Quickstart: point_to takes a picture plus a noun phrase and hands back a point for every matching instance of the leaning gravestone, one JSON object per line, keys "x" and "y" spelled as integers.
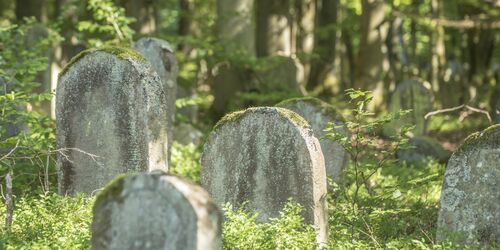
{"x": 410, "y": 94}
{"x": 421, "y": 148}
{"x": 161, "y": 56}
{"x": 155, "y": 211}
{"x": 318, "y": 114}
{"x": 470, "y": 199}
{"x": 265, "y": 156}
{"x": 111, "y": 104}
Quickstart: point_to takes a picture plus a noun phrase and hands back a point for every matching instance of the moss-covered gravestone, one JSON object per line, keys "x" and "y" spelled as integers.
{"x": 265, "y": 156}
{"x": 155, "y": 211}
{"x": 422, "y": 147}
{"x": 161, "y": 56}
{"x": 470, "y": 197}
{"x": 110, "y": 104}
{"x": 410, "y": 94}
{"x": 318, "y": 114}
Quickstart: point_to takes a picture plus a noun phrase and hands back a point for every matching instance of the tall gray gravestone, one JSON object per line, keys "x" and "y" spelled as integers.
{"x": 161, "y": 56}
{"x": 470, "y": 197}
{"x": 265, "y": 156}
{"x": 155, "y": 211}
{"x": 410, "y": 94}
{"x": 318, "y": 114}
{"x": 111, "y": 104}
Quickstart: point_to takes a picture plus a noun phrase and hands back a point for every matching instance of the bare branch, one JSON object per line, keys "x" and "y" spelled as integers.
{"x": 471, "y": 109}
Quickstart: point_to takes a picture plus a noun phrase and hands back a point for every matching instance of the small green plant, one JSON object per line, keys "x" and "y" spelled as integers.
{"x": 185, "y": 161}
{"x": 242, "y": 231}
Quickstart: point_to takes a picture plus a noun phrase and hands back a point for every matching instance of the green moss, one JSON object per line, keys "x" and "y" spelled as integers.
{"x": 123, "y": 53}
{"x": 490, "y": 135}
{"x": 296, "y": 118}
{"x": 113, "y": 189}
{"x": 231, "y": 117}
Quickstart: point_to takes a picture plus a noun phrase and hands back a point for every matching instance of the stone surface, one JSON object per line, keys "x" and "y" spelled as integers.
{"x": 470, "y": 198}
{"x": 264, "y": 156}
{"x": 410, "y": 94}
{"x": 186, "y": 133}
{"x": 318, "y": 114}
{"x": 155, "y": 211}
{"x": 161, "y": 56}
{"x": 9, "y": 127}
{"x": 110, "y": 103}
{"x": 423, "y": 147}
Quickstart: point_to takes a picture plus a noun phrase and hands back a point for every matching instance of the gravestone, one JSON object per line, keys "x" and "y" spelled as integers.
{"x": 155, "y": 211}
{"x": 161, "y": 56}
{"x": 186, "y": 134}
{"x": 410, "y": 94}
{"x": 470, "y": 198}
{"x": 280, "y": 71}
{"x": 10, "y": 125}
{"x": 318, "y": 114}
{"x": 422, "y": 147}
{"x": 265, "y": 156}
{"x": 110, "y": 104}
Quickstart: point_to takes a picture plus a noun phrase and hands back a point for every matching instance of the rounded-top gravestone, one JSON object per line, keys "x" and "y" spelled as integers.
{"x": 111, "y": 119}
{"x": 155, "y": 211}
{"x": 470, "y": 197}
{"x": 410, "y": 94}
{"x": 161, "y": 56}
{"x": 318, "y": 114}
{"x": 264, "y": 156}
{"x": 421, "y": 148}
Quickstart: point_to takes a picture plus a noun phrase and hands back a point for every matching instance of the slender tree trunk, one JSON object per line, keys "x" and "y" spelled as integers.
{"x": 371, "y": 63}
{"x": 438, "y": 53}
{"x": 274, "y": 28}
{"x": 186, "y": 25}
{"x": 325, "y": 41}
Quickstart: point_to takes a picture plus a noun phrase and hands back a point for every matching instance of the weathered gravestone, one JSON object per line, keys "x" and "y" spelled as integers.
{"x": 155, "y": 211}
{"x": 410, "y": 94}
{"x": 10, "y": 125}
{"x": 161, "y": 56}
{"x": 318, "y": 114}
{"x": 186, "y": 134}
{"x": 422, "y": 147}
{"x": 110, "y": 103}
{"x": 470, "y": 197}
{"x": 265, "y": 156}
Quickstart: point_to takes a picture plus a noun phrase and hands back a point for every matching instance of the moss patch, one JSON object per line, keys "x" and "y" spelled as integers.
{"x": 123, "y": 53}
{"x": 490, "y": 135}
{"x": 113, "y": 189}
{"x": 297, "y": 119}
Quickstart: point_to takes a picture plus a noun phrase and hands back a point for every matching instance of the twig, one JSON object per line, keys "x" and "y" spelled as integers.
{"x": 11, "y": 151}
{"x": 440, "y": 111}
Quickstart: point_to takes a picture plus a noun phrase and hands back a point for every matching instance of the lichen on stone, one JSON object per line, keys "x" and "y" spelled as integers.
{"x": 121, "y": 52}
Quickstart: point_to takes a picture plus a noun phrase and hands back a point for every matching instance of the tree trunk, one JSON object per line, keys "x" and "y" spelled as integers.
{"x": 305, "y": 22}
{"x": 145, "y": 14}
{"x": 438, "y": 53}
{"x": 28, "y": 8}
{"x": 235, "y": 31}
{"x": 371, "y": 63}
{"x": 186, "y": 25}
{"x": 274, "y": 28}
{"x": 324, "y": 44}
